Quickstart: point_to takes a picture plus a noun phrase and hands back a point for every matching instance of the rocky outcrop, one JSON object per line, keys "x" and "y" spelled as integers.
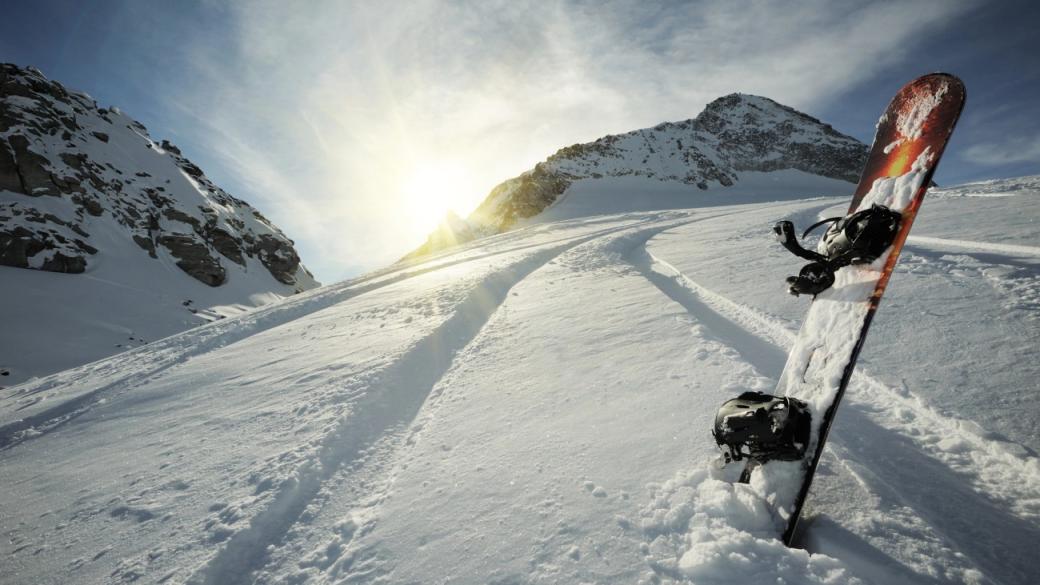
{"x": 9, "y": 178}
{"x": 279, "y": 258}
{"x": 65, "y": 172}
{"x": 30, "y": 169}
{"x": 526, "y": 195}
{"x": 757, "y": 134}
{"x": 33, "y": 239}
{"x": 194, "y": 257}
{"x": 231, "y": 248}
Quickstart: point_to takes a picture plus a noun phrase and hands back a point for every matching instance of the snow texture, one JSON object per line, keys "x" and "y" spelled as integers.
{"x": 535, "y": 407}
{"x": 910, "y": 122}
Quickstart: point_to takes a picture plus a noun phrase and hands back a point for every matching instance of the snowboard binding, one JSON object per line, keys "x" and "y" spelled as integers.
{"x": 760, "y": 427}
{"x": 859, "y": 238}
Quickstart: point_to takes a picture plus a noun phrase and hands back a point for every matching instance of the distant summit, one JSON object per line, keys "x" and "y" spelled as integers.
{"x": 735, "y": 134}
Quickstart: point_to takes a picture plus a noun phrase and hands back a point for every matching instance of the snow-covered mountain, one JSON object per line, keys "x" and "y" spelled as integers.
{"x": 109, "y": 238}
{"x": 534, "y": 407}
{"x": 736, "y": 137}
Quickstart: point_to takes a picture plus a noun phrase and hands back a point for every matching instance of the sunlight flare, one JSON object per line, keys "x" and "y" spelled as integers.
{"x": 433, "y": 189}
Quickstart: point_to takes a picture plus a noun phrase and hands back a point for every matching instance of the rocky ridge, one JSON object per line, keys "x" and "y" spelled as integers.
{"x": 73, "y": 174}
{"x": 734, "y": 134}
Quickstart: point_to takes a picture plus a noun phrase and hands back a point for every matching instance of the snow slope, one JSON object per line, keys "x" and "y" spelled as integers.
{"x": 110, "y": 239}
{"x": 534, "y": 407}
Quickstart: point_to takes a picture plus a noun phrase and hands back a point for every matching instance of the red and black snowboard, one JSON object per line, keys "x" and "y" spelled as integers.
{"x": 782, "y": 437}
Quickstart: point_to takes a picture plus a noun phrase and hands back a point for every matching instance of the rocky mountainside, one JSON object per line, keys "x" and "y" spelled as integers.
{"x": 734, "y": 135}
{"x": 110, "y": 239}
{"x": 69, "y": 169}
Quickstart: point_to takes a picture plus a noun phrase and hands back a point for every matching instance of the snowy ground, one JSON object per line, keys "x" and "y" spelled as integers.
{"x": 534, "y": 408}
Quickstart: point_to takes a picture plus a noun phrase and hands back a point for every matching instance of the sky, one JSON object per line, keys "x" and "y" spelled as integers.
{"x": 354, "y": 126}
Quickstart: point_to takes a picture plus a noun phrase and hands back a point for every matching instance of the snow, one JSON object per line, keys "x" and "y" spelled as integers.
{"x": 612, "y": 195}
{"x": 710, "y": 530}
{"x": 910, "y": 121}
{"x": 896, "y": 193}
{"x": 124, "y": 298}
{"x": 535, "y": 407}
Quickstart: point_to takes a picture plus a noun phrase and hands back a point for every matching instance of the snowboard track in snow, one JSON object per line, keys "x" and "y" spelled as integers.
{"x": 1005, "y": 249}
{"x": 894, "y": 446}
{"x": 128, "y": 370}
{"x": 397, "y": 398}
{"x": 1002, "y": 495}
{"x": 362, "y": 486}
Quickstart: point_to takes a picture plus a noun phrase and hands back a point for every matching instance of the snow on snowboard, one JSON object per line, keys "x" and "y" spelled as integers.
{"x": 779, "y": 439}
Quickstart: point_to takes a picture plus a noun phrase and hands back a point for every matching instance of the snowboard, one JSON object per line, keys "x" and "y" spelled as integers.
{"x": 911, "y": 136}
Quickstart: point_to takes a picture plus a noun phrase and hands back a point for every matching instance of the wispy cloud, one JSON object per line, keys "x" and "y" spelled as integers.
{"x": 1013, "y": 150}
{"x": 324, "y": 108}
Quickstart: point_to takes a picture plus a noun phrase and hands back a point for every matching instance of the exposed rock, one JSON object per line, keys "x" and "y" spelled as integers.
{"x": 32, "y": 169}
{"x": 74, "y": 160}
{"x": 9, "y": 179}
{"x": 528, "y": 195}
{"x": 85, "y": 247}
{"x": 40, "y": 233}
{"x": 175, "y": 214}
{"x": 146, "y": 244}
{"x": 43, "y": 129}
{"x": 89, "y": 204}
{"x": 61, "y": 263}
{"x": 191, "y": 169}
{"x": 18, "y": 245}
{"x": 279, "y": 258}
{"x": 227, "y": 245}
{"x": 170, "y": 148}
{"x": 194, "y": 258}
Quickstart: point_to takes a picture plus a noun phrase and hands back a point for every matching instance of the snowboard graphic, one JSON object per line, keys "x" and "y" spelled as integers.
{"x": 783, "y": 436}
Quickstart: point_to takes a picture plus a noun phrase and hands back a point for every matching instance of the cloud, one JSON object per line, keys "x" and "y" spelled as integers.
{"x": 1013, "y": 150}
{"x": 322, "y": 109}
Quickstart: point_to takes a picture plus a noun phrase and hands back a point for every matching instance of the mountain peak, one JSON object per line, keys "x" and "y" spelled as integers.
{"x": 74, "y": 174}
{"x": 734, "y": 134}
{"x": 85, "y": 189}
{"x": 742, "y": 109}
{"x": 737, "y": 99}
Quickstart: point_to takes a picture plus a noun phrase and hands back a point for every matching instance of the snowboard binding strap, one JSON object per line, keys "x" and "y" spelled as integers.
{"x": 859, "y": 238}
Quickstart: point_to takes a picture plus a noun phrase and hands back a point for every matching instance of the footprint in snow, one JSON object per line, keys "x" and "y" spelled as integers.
{"x": 595, "y": 490}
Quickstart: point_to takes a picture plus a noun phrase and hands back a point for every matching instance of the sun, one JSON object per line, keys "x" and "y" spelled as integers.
{"x": 433, "y": 189}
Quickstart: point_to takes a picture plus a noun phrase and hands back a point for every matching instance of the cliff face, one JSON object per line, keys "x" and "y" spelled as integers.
{"x": 734, "y": 134}
{"x": 77, "y": 179}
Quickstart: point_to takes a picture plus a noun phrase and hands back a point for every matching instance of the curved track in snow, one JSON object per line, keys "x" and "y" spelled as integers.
{"x": 38, "y": 409}
{"x": 1008, "y": 249}
{"x": 897, "y": 449}
{"x": 354, "y": 466}
{"x": 399, "y": 392}
{"x": 526, "y": 409}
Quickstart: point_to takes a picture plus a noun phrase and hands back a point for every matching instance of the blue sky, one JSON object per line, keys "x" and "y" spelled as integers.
{"x": 331, "y": 116}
